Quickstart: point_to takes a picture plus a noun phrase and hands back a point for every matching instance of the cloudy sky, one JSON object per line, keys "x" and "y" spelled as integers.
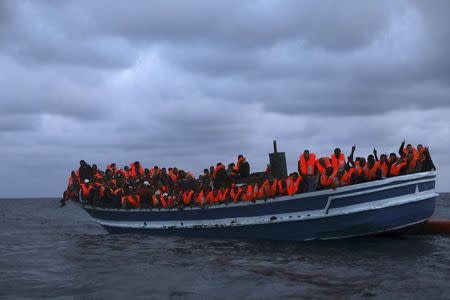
{"x": 191, "y": 83}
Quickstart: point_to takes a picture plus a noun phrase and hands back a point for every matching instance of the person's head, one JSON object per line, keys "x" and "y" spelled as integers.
{"x": 329, "y": 171}
{"x": 126, "y": 168}
{"x": 146, "y": 171}
{"x": 322, "y": 162}
{"x": 306, "y": 154}
{"x": 420, "y": 147}
{"x": 409, "y": 156}
{"x": 211, "y": 169}
{"x": 337, "y": 152}
{"x": 73, "y": 174}
{"x": 422, "y": 156}
{"x": 113, "y": 166}
{"x": 240, "y": 156}
{"x": 109, "y": 172}
{"x": 392, "y": 157}
{"x": 136, "y": 164}
{"x": 383, "y": 158}
{"x": 83, "y": 163}
{"x": 362, "y": 162}
{"x": 94, "y": 168}
{"x": 206, "y": 171}
{"x": 409, "y": 147}
{"x": 371, "y": 159}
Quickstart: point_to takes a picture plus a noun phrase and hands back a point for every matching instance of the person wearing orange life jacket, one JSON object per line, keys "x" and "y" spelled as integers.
{"x": 211, "y": 197}
{"x": 273, "y": 188}
{"x": 321, "y": 164}
{"x": 307, "y": 170}
{"x": 293, "y": 184}
{"x": 242, "y": 167}
{"x": 220, "y": 176}
{"x": 340, "y": 178}
{"x": 87, "y": 191}
{"x": 73, "y": 187}
{"x": 223, "y": 195}
{"x": 382, "y": 164}
{"x": 131, "y": 201}
{"x": 264, "y": 190}
{"x": 136, "y": 170}
{"x": 371, "y": 169}
{"x": 398, "y": 167}
{"x": 414, "y": 164}
{"x": 409, "y": 148}
{"x": 281, "y": 187}
{"x": 326, "y": 178}
{"x": 247, "y": 193}
{"x": 188, "y": 198}
{"x": 337, "y": 159}
{"x": 200, "y": 198}
{"x": 235, "y": 193}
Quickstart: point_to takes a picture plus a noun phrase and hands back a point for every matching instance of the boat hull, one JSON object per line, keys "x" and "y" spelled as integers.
{"x": 365, "y": 209}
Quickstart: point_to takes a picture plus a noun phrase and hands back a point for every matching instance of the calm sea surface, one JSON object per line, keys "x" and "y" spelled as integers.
{"x": 52, "y": 252}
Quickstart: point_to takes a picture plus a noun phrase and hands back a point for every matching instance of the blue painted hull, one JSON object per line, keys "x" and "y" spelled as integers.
{"x": 365, "y": 209}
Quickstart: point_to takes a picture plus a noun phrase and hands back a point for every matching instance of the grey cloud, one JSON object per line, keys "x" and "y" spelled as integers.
{"x": 189, "y": 84}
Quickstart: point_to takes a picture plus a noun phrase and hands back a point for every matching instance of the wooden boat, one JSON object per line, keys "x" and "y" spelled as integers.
{"x": 370, "y": 208}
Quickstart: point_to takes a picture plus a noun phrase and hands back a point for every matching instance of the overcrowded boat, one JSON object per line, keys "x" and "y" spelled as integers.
{"x": 358, "y": 198}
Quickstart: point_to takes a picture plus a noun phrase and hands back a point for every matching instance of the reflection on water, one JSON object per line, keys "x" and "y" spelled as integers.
{"x": 51, "y": 252}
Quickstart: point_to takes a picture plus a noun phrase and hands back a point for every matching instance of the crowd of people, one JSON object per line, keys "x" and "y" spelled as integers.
{"x": 137, "y": 187}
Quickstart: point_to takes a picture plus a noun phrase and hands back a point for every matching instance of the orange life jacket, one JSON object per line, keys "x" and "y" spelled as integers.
{"x": 326, "y": 181}
{"x": 187, "y": 197}
{"x": 236, "y": 167}
{"x": 134, "y": 200}
{"x": 343, "y": 181}
{"x": 358, "y": 169}
{"x": 118, "y": 191}
{"x": 338, "y": 163}
{"x": 281, "y": 187}
{"x": 173, "y": 176}
{"x": 264, "y": 190}
{"x": 248, "y": 195}
{"x": 222, "y": 195}
{"x": 164, "y": 202}
{"x": 371, "y": 174}
{"x": 273, "y": 188}
{"x": 293, "y": 185}
{"x": 138, "y": 172}
{"x": 321, "y": 168}
{"x": 235, "y": 195}
{"x": 200, "y": 199}
{"x": 307, "y": 167}
{"x": 396, "y": 168}
{"x": 412, "y": 164}
{"x": 414, "y": 151}
{"x": 384, "y": 169}
{"x": 86, "y": 189}
{"x": 125, "y": 174}
{"x": 211, "y": 198}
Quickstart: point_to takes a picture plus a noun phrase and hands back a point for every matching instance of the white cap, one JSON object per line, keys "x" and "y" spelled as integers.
{"x": 86, "y": 181}
{"x": 157, "y": 193}
{"x": 146, "y": 183}
{"x": 165, "y": 194}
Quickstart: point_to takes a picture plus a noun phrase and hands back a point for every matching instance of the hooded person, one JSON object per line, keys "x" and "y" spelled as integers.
{"x": 85, "y": 171}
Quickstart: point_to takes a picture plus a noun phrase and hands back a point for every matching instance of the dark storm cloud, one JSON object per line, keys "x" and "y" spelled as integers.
{"x": 193, "y": 83}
